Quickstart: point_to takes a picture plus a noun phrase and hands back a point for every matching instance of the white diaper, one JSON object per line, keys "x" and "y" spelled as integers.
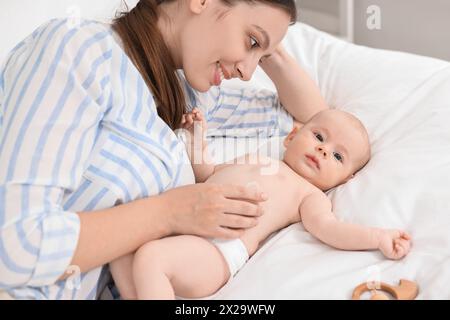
{"x": 234, "y": 252}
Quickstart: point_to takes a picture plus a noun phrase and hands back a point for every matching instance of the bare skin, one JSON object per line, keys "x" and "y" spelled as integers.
{"x": 191, "y": 266}
{"x": 321, "y": 154}
{"x": 238, "y": 45}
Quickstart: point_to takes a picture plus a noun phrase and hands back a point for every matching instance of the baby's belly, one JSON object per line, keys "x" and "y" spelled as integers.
{"x": 280, "y": 210}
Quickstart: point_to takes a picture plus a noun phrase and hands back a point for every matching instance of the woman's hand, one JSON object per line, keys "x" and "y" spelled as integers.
{"x": 275, "y": 59}
{"x": 213, "y": 210}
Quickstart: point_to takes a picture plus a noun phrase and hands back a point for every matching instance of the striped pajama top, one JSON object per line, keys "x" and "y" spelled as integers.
{"x": 79, "y": 131}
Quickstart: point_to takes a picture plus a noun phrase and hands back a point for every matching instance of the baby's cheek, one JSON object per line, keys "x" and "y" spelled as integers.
{"x": 327, "y": 177}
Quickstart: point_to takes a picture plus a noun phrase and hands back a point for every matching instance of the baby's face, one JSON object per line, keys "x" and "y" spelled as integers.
{"x": 329, "y": 149}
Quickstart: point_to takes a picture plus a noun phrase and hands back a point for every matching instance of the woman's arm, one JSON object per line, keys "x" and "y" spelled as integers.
{"x": 255, "y": 112}
{"x": 50, "y": 129}
{"x": 54, "y": 105}
{"x": 111, "y": 233}
{"x": 298, "y": 93}
{"x": 207, "y": 210}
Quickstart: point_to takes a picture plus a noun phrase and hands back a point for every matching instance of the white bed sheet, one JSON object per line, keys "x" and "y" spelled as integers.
{"x": 404, "y": 101}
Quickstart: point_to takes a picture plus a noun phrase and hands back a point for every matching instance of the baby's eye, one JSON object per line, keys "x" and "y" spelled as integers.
{"x": 337, "y": 156}
{"x": 254, "y": 43}
{"x": 319, "y": 137}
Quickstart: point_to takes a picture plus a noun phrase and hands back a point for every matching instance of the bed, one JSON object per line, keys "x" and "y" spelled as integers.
{"x": 404, "y": 101}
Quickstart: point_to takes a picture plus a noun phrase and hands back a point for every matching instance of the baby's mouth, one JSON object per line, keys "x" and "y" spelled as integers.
{"x": 313, "y": 160}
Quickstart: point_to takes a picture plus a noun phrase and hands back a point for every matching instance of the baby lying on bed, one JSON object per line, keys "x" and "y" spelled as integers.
{"x": 321, "y": 154}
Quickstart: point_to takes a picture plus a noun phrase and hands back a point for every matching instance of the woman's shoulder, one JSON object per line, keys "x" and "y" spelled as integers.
{"x": 75, "y": 31}
{"x": 61, "y": 43}
{"x": 67, "y": 38}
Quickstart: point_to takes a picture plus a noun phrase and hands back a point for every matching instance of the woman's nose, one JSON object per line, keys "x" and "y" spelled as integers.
{"x": 246, "y": 69}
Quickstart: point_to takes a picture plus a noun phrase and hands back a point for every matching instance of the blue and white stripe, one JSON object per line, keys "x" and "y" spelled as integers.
{"x": 242, "y": 113}
{"x": 79, "y": 131}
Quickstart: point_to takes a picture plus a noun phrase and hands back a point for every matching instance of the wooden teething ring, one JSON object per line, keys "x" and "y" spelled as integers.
{"x": 406, "y": 290}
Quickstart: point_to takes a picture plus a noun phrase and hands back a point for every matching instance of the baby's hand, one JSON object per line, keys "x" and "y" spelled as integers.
{"x": 394, "y": 244}
{"x": 191, "y": 119}
{"x": 195, "y": 124}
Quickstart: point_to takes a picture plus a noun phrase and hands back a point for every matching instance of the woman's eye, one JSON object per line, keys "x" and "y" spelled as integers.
{"x": 253, "y": 42}
{"x": 319, "y": 137}
{"x": 337, "y": 156}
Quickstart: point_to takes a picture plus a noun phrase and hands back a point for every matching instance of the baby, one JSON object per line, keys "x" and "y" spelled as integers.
{"x": 321, "y": 154}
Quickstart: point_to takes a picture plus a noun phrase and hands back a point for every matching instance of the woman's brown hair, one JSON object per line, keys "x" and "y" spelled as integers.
{"x": 144, "y": 44}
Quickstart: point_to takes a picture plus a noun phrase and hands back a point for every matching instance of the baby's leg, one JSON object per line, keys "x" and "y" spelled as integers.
{"x": 186, "y": 266}
{"x": 122, "y": 273}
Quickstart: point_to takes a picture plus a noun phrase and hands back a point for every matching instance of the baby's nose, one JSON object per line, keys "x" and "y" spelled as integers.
{"x": 322, "y": 151}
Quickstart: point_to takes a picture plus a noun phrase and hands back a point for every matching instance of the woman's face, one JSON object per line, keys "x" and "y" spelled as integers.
{"x": 230, "y": 40}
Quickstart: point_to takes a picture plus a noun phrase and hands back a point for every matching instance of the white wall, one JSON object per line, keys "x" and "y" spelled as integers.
{"x": 326, "y": 6}
{"x": 18, "y": 18}
{"x": 417, "y": 26}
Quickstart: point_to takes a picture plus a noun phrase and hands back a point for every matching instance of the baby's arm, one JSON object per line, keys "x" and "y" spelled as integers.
{"x": 319, "y": 220}
{"x": 298, "y": 93}
{"x": 195, "y": 125}
{"x": 197, "y": 147}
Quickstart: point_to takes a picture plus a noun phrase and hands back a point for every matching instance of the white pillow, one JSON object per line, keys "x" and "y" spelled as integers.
{"x": 404, "y": 101}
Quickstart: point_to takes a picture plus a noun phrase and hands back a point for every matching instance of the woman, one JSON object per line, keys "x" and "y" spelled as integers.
{"x": 90, "y": 168}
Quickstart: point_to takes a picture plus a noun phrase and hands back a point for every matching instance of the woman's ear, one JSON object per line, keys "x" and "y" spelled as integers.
{"x": 290, "y": 136}
{"x": 197, "y": 6}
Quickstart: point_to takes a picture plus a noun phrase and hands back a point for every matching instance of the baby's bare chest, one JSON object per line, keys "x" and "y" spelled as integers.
{"x": 284, "y": 187}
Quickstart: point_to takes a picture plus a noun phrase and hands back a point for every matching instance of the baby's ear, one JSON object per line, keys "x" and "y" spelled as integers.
{"x": 290, "y": 136}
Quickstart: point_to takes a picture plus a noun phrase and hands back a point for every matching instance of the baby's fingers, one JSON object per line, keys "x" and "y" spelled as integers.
{"x": 188, "y": 117}
{"x": 399, "y": 251}
{"x": 405, "y": 244}
{"x": 198, "y": 116}
{"x": 401, "y": 248}
{"x": 405, "y": 235}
